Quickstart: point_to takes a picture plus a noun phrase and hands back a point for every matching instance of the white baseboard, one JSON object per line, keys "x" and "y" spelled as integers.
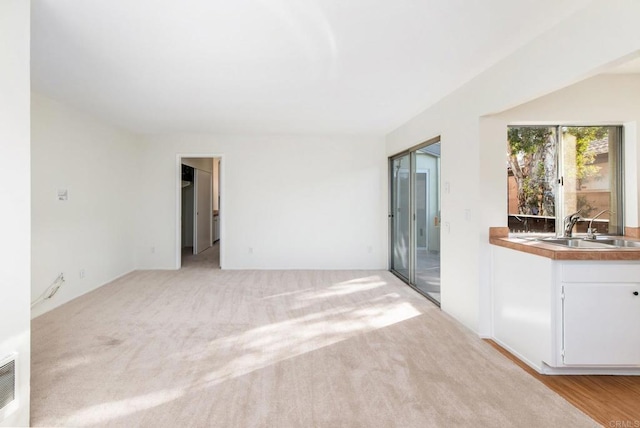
{"x": 536, "y": 367}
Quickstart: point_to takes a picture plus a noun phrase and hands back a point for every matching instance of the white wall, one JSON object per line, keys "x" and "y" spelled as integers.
{"x": 298, "y": 202}
{"x": 473, "y": 161}
{"x": 94, "y": 229}
{"x": 15, "y": 173}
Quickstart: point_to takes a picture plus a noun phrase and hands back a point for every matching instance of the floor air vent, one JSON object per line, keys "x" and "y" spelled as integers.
{"x": 7, "y": 381}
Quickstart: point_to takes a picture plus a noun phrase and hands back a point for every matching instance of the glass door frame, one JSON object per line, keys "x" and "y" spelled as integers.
{"x": 412, "y": 153}
{"x": 393, "y": 215}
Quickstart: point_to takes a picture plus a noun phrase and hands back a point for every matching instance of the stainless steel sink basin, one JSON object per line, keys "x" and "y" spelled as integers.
{"x": 620, "y": 243}
{"x": 578, "y": 243}
{"x": 599, "y": 243}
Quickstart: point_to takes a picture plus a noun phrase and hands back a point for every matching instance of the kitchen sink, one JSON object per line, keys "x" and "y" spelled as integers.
{"x": 578, "y": 243}
{"x": 598, "y": 243}
{"x": 620, "y": 243}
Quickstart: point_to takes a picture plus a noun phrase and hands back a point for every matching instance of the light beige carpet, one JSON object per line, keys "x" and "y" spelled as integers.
{"x": 202, "y": 347}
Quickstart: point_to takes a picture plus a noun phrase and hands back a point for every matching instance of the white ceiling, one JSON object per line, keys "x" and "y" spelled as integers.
{"x": 272, "y": 66}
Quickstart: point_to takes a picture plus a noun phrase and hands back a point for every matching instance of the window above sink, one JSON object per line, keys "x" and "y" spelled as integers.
{"x": 554, "y": 171}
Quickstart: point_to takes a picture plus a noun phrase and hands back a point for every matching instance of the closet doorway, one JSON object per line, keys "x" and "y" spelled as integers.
{"x": 415, "y": 217}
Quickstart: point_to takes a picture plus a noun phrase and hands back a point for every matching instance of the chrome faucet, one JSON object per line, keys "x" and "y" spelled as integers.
{"x": 591, "y": 233}
{"x": 569, "y": 222}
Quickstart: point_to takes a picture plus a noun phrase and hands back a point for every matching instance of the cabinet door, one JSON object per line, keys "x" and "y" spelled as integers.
{"x": 601, "y": 324}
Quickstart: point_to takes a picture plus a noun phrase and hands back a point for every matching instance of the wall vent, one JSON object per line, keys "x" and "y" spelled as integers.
{"x": 7, "y": 381}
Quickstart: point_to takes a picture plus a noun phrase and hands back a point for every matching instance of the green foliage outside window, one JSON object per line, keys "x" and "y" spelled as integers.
{"x": 530, "y": 150}
{"x": 532, "y": 157}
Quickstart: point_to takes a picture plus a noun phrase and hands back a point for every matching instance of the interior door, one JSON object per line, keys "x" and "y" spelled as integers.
{"x": 202, "y": 211}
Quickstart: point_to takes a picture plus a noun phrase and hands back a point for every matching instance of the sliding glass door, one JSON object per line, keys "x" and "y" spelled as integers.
{"x": 415, "y": 218}
{"x": 427, "y": 221}
{"x": 401, "y": 216}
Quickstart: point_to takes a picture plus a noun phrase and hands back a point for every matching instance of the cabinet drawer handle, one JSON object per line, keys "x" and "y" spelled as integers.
{"x": 635, "y": 293}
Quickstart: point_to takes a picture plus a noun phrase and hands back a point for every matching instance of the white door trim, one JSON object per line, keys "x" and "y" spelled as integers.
{"x": 178, "y": 214}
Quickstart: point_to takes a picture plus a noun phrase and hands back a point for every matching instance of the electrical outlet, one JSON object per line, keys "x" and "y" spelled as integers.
{"x": 153, "y": 250}
{"x": 81, "y": 274}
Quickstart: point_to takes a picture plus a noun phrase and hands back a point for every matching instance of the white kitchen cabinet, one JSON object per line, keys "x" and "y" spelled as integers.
{"x": 521, "y": 300}
{"x": 567, "y": 317}
{"x": 601, "y": 324}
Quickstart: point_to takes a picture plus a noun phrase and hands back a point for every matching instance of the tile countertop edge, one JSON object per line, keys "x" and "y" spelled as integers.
{"x": 555, "y": 252}
{"x": 531, "y": 247}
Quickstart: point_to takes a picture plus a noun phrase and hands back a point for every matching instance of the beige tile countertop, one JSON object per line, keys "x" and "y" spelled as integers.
{"x": 500, "y": 236}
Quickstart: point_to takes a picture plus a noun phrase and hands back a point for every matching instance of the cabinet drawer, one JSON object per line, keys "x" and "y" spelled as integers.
{"x": 600, "y": 272}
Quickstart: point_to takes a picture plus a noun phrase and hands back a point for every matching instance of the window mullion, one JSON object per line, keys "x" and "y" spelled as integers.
{"x": 559, "y": 194}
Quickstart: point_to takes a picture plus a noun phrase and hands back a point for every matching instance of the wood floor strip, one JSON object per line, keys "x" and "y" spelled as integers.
{"x": 613, "y": 401}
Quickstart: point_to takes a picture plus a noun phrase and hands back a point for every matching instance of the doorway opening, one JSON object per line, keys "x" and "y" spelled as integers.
{"x": 415, "y": 218}
{"x": 199, "y": 212}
